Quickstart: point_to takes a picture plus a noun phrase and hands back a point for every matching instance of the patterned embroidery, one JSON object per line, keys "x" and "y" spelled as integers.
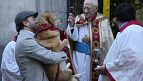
{"x": 96, "y": 36}
{"x": 96, "y": 44}
{"x": 95, "y": 30}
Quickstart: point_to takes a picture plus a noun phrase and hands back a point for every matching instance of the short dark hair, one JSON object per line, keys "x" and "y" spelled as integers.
{"x": 20, "y": 26}
{"x": 124, "y": 12}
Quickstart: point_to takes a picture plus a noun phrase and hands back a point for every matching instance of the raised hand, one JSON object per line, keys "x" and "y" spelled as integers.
{"x": 86, "y": 39}
{"x": 71, "y": 20}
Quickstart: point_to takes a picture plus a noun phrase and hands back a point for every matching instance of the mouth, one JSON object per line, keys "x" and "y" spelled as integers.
{"x": 87, "y": 14}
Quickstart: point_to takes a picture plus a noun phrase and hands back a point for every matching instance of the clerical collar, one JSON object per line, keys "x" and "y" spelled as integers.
{"x": 130, "y": 23}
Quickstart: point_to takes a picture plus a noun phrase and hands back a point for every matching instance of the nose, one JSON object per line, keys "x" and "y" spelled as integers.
{"x": 85, "y": 10}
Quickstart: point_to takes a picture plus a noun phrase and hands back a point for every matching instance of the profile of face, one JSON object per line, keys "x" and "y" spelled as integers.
{"x": 30, "y": 23}
{"x": 89, "y": 10}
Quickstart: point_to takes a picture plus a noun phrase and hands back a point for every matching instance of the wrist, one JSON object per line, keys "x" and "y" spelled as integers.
{"x": 103, "y": 70}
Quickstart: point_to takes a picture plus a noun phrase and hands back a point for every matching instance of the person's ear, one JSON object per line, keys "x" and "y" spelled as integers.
{"x": 25, "y": 23}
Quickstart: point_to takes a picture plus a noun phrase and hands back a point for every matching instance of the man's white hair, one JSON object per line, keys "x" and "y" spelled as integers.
{"x": 94, "y": 2}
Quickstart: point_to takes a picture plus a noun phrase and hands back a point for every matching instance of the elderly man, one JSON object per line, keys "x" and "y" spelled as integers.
{"x": 29, "y": 54}
{"x": 124, "y": 60}
{"x": 89, "y": 30}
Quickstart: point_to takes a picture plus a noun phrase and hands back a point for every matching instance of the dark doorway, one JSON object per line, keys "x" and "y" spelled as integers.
{"x": 75, "y": 6}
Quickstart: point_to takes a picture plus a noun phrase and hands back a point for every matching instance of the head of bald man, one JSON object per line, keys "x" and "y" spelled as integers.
{"x": 90, "y": 7}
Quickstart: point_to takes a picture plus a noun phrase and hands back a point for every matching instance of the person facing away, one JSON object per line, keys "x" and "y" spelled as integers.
{"x": 79, "y": 31}
{"x": 29, "y": 54}
{"x": 124, "y": 60}
{"x": 9, "y": 68}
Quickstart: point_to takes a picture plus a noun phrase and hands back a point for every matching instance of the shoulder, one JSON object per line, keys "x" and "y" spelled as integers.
{"x": 25, "y": 38}
{"x": 101, "y": 17}
{"x": 11, "y": 44}
{"x": 25, "y": 35}
{"x": 134, "y": 28}
{"x": 9, "y": 49}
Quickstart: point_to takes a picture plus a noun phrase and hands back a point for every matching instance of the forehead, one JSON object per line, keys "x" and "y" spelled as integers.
{"x": 89, "y": 5}
{"x": 30, "y": 17}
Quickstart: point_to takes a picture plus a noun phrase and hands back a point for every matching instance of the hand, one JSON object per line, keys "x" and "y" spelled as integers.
{"x": 86, "y": 39}
{"x": 68, "y": 65}
{"x": 71, "y": 20}
{"x": 78, "y": 75}
{"x": 101, "y": 69}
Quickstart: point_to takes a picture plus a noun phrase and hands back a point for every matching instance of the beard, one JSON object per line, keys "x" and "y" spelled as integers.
{"x": 33, "y": 27}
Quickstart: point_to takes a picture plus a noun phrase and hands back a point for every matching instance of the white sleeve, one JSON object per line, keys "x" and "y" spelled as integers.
{"x": 68, "y": 31}
{"x": 73, "y": 35}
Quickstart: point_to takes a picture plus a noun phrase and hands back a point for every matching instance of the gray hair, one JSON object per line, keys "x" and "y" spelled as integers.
{"x": 94, "y": 2}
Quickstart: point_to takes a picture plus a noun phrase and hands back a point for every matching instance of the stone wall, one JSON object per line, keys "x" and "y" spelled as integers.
{"x": 9, "y": 9}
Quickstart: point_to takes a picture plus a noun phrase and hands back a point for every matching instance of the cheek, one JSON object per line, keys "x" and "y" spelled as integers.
{"x": 34, "y": 23}
{"x": 92, "y": 12}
